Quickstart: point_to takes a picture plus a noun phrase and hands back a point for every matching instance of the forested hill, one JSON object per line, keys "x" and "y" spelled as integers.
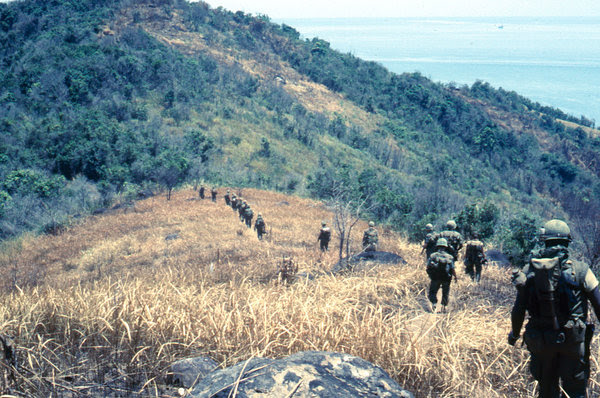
{"x": 103, "y": 99}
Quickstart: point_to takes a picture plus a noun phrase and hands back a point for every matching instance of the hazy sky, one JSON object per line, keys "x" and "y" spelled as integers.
{"x": 411, "y": 8}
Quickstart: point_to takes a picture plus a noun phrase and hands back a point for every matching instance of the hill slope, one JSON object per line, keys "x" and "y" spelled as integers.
{"x": 116, "y": 303}
{"x": 100, "y": 100}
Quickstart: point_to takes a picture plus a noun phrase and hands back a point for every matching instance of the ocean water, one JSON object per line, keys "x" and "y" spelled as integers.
{"x": 554, "y": 61}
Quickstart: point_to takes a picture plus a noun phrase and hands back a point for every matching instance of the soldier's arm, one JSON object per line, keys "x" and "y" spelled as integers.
{"x": 517, "y": 315}
{"x": 592, "y": 291}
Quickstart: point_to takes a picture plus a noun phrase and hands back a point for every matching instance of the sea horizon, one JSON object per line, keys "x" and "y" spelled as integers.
{"x": 551, "y": 60}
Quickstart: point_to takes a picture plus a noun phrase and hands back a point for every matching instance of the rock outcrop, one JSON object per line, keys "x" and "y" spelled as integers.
{"x": 304, "y": 374}
{"x": 366, "y": 260}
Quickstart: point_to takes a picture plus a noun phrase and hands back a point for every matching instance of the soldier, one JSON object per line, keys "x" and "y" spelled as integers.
{"x": 241, "y": 209}
{"x": 440, "y": 268}
{"x": 234, "y": 202}
{"x": 287, "y": 270}
{"x": 201, "y": 192}
{"x": 555, "y": 290}
{"x": 213, "y": 194}
{"x": 453, "y": 238}
{"x": 248, "y": 214}
{"x": 370, "y": 238}
{"x": 227, "y": 198}
{"x": 324, "y": 237}
{"x": 429, "y": 241}
{"x": 260, "y": 226}
{"x": 474, "y": 258}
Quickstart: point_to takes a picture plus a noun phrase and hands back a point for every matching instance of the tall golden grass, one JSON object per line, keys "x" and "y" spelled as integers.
{"x": 104, "y": 308}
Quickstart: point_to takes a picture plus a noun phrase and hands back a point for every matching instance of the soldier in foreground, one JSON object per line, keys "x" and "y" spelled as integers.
{"x": 370, "y": 238}
{"x": 440, "y": 269}
{"x": 259, "y": 226}
{"x": 453, "y": 238}
{"x": 555, "y": 291}
{"x": 227, "y": 198}
{"x": 474, "y": 258}
{"x": 201, "y": 192}
{"x": 429, "y": 241}
{"x": 324, "y": 237}
{"x": 213, "y": 194}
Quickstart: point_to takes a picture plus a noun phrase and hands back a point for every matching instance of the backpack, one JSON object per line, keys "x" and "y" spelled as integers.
{"x": 559, "y": 304}
{"x": 474, "y": 252}
{"x": 439, "y": 265}
{"x": 325, "y": 234}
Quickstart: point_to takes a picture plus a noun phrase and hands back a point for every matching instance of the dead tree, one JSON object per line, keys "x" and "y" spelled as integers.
{"x": 347, "y": 212}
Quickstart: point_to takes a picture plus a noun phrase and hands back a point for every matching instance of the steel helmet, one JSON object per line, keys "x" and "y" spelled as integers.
{"x": 371, "y": 224}
{"x": 323, "y": 223}
{"x": 429, "y": 227}
{"x": 441, "y": 242}
{"x": 451, "y": 224}
{"x": 556, "y": 230}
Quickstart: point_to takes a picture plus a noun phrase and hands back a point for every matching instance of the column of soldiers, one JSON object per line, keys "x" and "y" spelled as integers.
{"x": 245, "y": 212}
{"x": 448, "y": 244}
{"x": 552, "y": 288}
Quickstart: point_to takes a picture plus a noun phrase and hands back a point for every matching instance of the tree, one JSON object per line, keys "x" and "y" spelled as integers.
{"x": 478, "y": 219}
{"x": 347, "y": 212}
{"x": 172, "y": 169}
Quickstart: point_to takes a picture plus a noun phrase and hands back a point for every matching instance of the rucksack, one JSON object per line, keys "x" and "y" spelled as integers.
{"x": 474, "y": 252}
{"x": 439, "y": 265}
{"x": 559, "y": 302}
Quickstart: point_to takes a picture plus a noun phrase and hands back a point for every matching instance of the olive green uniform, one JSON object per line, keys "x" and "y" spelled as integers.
{"x": 557, "y": 339}
{"x": 474, "y": 259}
{"x": 440, "y": 269}
{"x": 370, "y": 240}
{"x": 260, "y": 226}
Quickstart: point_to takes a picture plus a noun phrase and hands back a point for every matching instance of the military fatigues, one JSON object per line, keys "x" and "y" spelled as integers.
{"x": 370, "y": 240}
{"x": 227, "y": 199}
{"x": 213, "y": 194}
{"x": 260, "y": 226}
{"x": 440, "y": 269}
{"x": 455, "y": 241}
{"x": 234, "y": 202}
{"x": 556, "y": 333}
{"x": 474, "y": 259}
{"x": 201, "y": 192}
{"x": 324, "y": 237}
{"x": 287, "y": 270}
{"x": 241, "y": 208}
{"x": 248, "y": 215}
{"x": 429, "y": 244}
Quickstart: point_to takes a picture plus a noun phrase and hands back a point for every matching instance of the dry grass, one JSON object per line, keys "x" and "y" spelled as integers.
{"x": 116, "y": 303}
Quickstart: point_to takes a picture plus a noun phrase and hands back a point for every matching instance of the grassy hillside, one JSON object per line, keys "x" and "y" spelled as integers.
{"x": 101, "y": 100}
{"x": 114, "y": 303}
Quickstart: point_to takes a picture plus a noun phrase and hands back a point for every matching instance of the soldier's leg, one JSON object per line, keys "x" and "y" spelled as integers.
{"x": 434, "y": 286}
{"x": 445, "y": 292}
{"x": 469, "y": 269}
{"x": 478, "y": 268}
{"x": 573, "y": 370}
{"x": 544, "y": 368}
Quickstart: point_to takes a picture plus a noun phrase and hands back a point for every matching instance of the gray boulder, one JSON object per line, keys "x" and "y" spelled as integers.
{"x": 304, "y": 374}
{"x": 367, "y": 260}
{"x": 497, "y": 257}
{"x": 187, "y": 372}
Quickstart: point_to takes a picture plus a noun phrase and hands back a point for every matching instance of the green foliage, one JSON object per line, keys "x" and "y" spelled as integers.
{"x": 26, "y": 182}
{"x": 520, "y": 238}
{"x": 478, "y": 219}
